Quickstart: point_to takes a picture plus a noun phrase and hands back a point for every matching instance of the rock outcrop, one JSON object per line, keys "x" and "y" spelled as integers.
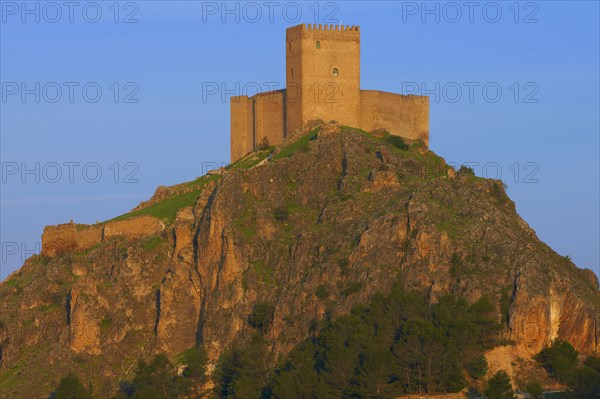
{"x": 344, "y": 213}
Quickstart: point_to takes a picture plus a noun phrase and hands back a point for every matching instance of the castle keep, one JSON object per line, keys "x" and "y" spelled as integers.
{"x": 323, "y": 82}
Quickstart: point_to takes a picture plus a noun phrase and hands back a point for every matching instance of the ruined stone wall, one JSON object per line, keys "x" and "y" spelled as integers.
{"x": 71, "y": 237}
{"x": 314, "y": 91}
{"x": 406, "y": 116}
{"x": 134, "y": 228}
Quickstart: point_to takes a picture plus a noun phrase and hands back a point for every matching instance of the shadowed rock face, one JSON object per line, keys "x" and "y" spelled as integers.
{"x": 346, "y": 212}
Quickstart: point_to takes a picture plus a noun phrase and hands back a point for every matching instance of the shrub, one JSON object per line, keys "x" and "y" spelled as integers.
{"x": 593, "y": 362}
{"x": 264, "y": 143}
{"x": 70, "y": 387}
{"x": 282, "y": 213}
{"x": 473, "y": 393}
{"x": 261, "y": 316}
{"x": 466, "y": 171}
{"x": 322, "y": 291}
{"x": 397, "y": 142}
{"x": 560, "y": 359}
{"x": 499, "y": 387}
{"x": 585, "y": 382}
{"x": 455, "y": 265}
{"x": 477, "y": 368}
{"x": 534, "y": 388}
{"x": 195, "y": 360}
{"x": 351, "y": 288}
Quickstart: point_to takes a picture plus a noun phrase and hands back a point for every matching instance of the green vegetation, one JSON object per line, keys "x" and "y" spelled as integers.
{"x": 282, "y": 213}
{"x": 561, "y": 361}
{"x": 448, "y": 220}
{"x": 498, "y": 192}
{"x": 105, "y": 324}
{"x": 299, "y": 145}
{"x": 505, "y": 301}
{"x": 264, "y": 272}
{"x": 153, "y": 242}
{"x": 466, "y": 171}
{"x": 264, "y": 143}
{"x": 456, "y": 265}
{"x": 245, "y": 371}
{"x": 322, "y": 292}
{"x": 350, "y": 288}
{"x": 70, "y": 387}
{"x": 51, "y": 306}
{"x": 397, "y": 142}
{"x": 248, "y": 162}
{"x": 159, "y": 379}
{"x": 477, "y": 367}
{"x": 399, "y": 344}
{"x": 195, "y": 360}
{"x": 535, "y": 389}
{"x": 10, "y": 283}
{"x": 261, "y": 316}
{"x": 246, "y": 222}
{"x": 167, "y": 208}
{"x": 499, "y": 387}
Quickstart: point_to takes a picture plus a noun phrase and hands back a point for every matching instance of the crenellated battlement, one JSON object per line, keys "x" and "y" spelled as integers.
{"x": 330, "y": 27}
{"x": 325, "y": 27}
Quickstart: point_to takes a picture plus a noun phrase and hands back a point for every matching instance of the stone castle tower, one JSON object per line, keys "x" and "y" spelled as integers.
{"x": 323, "y": 82}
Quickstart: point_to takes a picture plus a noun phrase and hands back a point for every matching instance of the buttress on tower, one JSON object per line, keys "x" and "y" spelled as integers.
{"x": 323, "y": 82}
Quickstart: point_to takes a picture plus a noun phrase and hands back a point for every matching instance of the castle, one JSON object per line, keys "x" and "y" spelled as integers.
{"x": 323, "y": 82}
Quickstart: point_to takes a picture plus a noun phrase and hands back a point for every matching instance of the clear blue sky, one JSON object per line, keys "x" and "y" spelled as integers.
{"x": 543, "y": 56}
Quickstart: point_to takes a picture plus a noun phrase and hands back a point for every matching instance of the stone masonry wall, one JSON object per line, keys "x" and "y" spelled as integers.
{"x": 314, "y": 91}
{"x": 71, "y": 237}
{"x": 240, "y": 125}
{"x": 253, "y": 119}
{"x": 406, "y": 116}
{"x": 269, "y": 117}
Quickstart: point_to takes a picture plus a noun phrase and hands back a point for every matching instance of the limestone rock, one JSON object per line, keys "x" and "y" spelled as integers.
{"x": 348, "y": 211}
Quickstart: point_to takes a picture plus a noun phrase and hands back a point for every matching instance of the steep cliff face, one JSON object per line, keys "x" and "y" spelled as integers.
{"x": 319, "y": 227}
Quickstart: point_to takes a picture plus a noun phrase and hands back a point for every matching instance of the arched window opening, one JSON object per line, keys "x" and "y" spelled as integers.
{"x": 335, "y": 72}
{"x": 318, "y": 44}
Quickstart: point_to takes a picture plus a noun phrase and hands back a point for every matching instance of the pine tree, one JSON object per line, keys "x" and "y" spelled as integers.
{"x": 70, "y": 387}
{"x": 499, "y": 387}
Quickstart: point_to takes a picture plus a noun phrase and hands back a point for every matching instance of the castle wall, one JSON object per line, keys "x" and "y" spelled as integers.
{"x": 72, "y": 238}
{"x": 406, "y": 116}
{"x": 241, "y": 127}
{"x": 254, "y": 118}
{"x": 293, "y": 77}
{"x": 269, "y": 114}
{"x": 134, "y": 228}
{"x": 69, "y": 237}
{"x": 314, "y": 91}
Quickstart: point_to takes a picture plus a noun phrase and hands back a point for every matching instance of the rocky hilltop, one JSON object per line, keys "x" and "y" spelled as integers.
{"x": 308, "y": 230}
